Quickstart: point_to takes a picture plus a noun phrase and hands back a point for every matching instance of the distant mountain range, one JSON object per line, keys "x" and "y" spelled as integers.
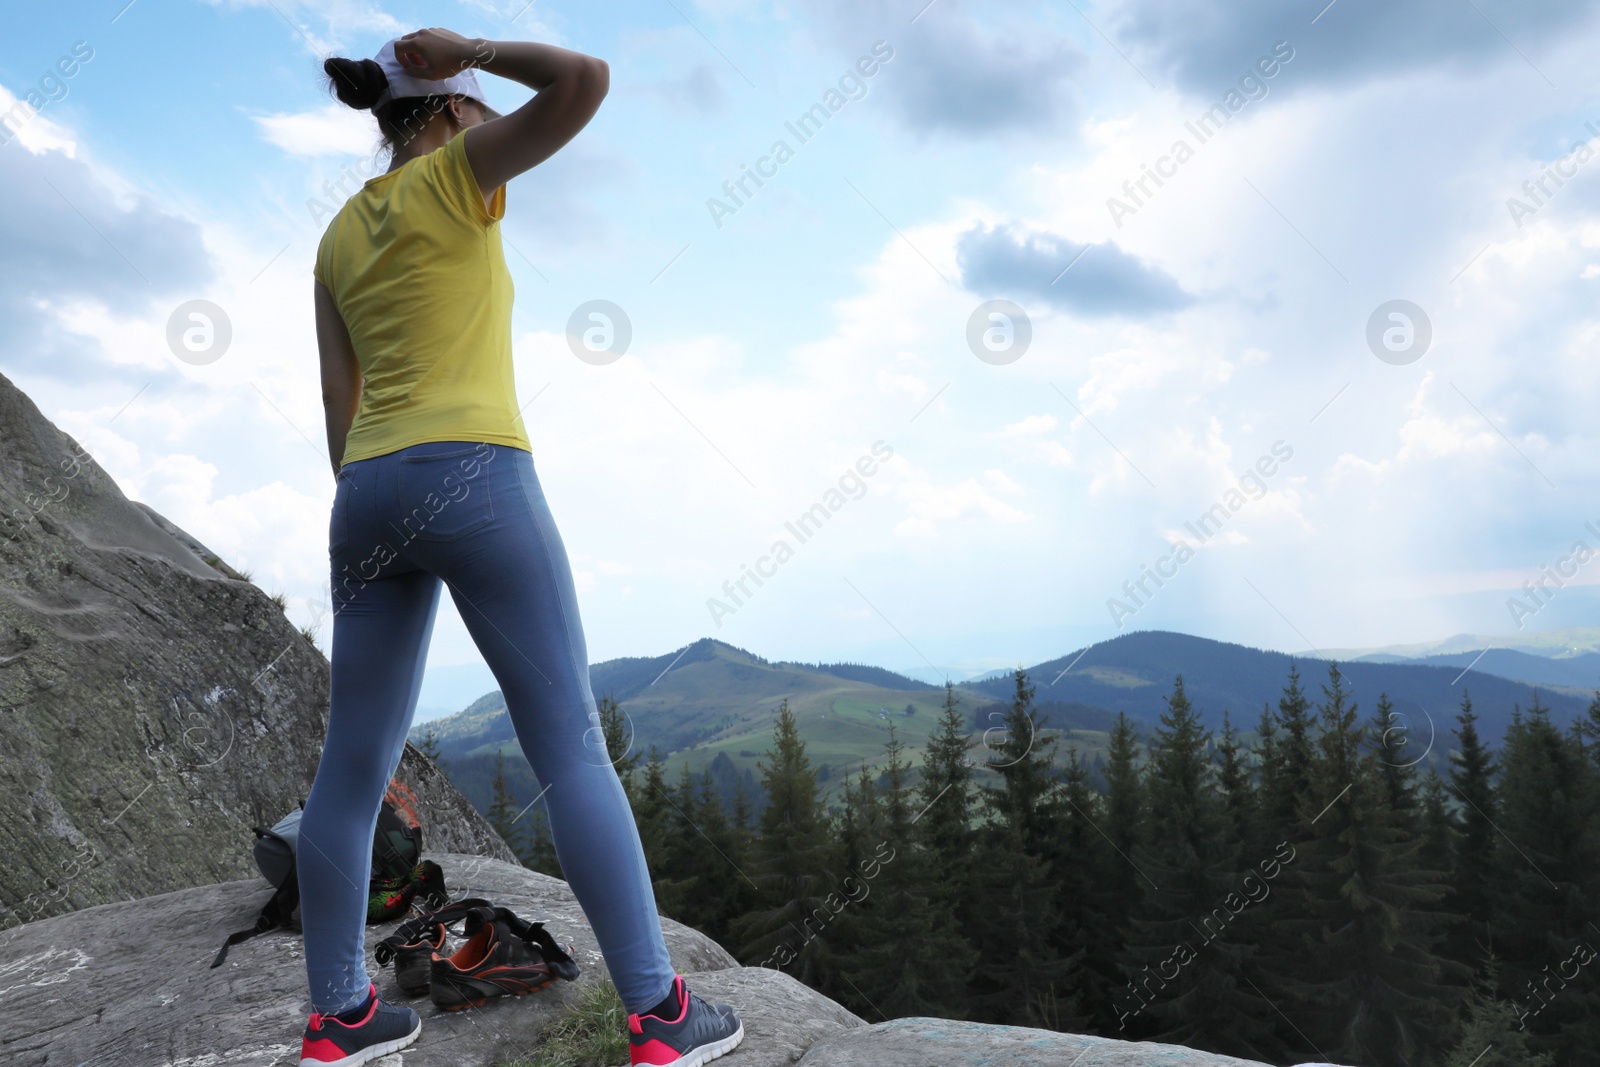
{"x": 1577, "y": 675}
{"x": 710, "y": 706}
{"x": 1549, "y": 644}
{"x": 1134, "y": 673}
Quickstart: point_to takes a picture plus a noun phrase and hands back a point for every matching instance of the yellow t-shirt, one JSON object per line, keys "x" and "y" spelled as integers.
{"x": 415, "y": 265}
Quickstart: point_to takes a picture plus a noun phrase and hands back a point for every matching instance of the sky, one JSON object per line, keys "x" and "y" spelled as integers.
{"x": 1269, "y": 321}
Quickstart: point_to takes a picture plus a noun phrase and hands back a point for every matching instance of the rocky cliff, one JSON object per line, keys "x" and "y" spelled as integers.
{"x": 154, "y": 705}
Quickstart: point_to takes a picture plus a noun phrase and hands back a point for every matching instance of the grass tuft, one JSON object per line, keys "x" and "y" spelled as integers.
{"x": 592, "y": 1033}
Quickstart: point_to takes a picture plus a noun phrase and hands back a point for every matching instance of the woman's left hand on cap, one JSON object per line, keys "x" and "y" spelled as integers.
{"x": 434, "y": 54}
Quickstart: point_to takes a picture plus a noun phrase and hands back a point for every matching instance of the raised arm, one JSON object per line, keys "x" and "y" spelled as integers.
{"x": 569, "y": 87}
{"x": 341, "y": 375}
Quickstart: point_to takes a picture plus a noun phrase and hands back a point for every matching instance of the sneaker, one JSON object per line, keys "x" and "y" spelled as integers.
{"x": 503, "y": 956}
{"x": 384, "y": 1029}
{"x": 413, "y": 962}
{"x": 413, "y": 944}
{"x": 699, "y": 1034}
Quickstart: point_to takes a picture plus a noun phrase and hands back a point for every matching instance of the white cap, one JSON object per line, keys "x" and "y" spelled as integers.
{"x": 402, "y": 85}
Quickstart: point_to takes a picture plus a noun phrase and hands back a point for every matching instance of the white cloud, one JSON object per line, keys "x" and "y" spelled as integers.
{"x": 326, "y": 26}
{"x": 931, "y": 505}
{"x": 332, "y": 130}
{"x": 32, "y": 129}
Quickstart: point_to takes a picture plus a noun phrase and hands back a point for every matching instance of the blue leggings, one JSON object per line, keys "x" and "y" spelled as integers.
{"x": 472, "y": 515}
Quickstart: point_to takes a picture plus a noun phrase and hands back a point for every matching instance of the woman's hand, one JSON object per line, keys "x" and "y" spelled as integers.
{"x": 434, "y": 54}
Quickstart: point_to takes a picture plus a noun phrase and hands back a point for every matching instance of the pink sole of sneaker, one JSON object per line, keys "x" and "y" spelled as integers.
{"x": 367, "y": 1055}
{"x": 702, "y": 1055}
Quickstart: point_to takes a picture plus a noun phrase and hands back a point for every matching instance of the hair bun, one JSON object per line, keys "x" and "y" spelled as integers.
{"x": 356, "y": 82}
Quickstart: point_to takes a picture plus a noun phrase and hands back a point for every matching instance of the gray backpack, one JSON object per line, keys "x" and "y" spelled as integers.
{"x": 396, "y": 849}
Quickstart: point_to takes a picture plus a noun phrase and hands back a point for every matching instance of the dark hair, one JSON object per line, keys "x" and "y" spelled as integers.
{"x": 360, "y": 82}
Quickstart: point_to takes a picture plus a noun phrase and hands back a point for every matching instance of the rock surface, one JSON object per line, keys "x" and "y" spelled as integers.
{"x": 129, "y": 985}
{"x": 144, "y": 966}
{"x": 926, "y": 1042}
{"x": 153, "y": 705}
{"x": 782, "y": 1018}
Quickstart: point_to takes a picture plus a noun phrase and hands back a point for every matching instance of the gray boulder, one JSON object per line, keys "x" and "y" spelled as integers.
{"x": 130, "y": 984}
{"x": 782, "y": 1018}
{"x": 154, "y": 706}
{"x": 942, "y": 1043}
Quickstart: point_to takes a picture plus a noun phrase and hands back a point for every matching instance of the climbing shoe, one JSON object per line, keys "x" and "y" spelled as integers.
{"x": 382, "y": 1029}
{"x": 412, "y": 945}
{"x": 699, "y": 1034}
{"x": 502, "y": 956}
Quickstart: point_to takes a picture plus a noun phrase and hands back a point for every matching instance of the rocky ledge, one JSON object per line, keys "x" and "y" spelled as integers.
{"x": 129, "y": 984}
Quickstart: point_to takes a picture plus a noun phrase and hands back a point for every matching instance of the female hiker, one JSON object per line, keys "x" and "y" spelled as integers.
{"x": 436, "y": 488}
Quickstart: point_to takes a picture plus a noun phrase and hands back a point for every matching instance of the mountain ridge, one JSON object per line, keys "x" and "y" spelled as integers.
{"x": 1133, "y": 672}
{"x": 708, "y": 707}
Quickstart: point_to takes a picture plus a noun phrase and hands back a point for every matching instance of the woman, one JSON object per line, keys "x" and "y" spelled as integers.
{"x": 436, "y": 485}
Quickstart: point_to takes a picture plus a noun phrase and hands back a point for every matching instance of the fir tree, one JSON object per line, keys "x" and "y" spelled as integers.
{"x": 619, "y": 741}
{"x": 1286, "y": 775}
{"x": 1492, "y": 1035}
{"x": 859, "y": 826}
{"x": 651, "y": 809}
{"x": 1080, "y": 863}
{"x": 1234, "y": 782}
{"x": 429, "y": 746}
{"x": 1185, "y": 958}
{"x": 914, "y": 961}
{"x": 541, "y": 855}
{"x": 1286, "y": 927}
{"x": 703, "y": 887}
{"x": 850, "y": 919}
{"x": 1589, "y": 728}
{"x": 681, "y": 855}
{"x": 1472, "y": 775}
{"x": 790, "y": 865}
{"x": 1373, "y": 991}
{"x": 1024, "y": 982}
{"x": 1544, "y": 919}
{"x": 502, "y": 812}
{"x": 1396, "y": 758}
{"x": 1025, "y": 763}
{"x": 727, "y": 892}
{"x": 944, "y": 819}
{"x": 1437, "y": 828}
{"x": 741, "y": 828}
{"x": 1124, "y": 822}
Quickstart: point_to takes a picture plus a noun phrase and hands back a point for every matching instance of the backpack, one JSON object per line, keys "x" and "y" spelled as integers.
{"x": 397, "y": 875}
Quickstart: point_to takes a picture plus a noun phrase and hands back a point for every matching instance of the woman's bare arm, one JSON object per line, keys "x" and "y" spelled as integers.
{"x": 341, "y": 375}
{"x": 569, "y": 87}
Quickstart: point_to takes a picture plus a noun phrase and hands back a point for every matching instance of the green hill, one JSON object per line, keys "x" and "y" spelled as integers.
{"x": 711, "y": 706}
